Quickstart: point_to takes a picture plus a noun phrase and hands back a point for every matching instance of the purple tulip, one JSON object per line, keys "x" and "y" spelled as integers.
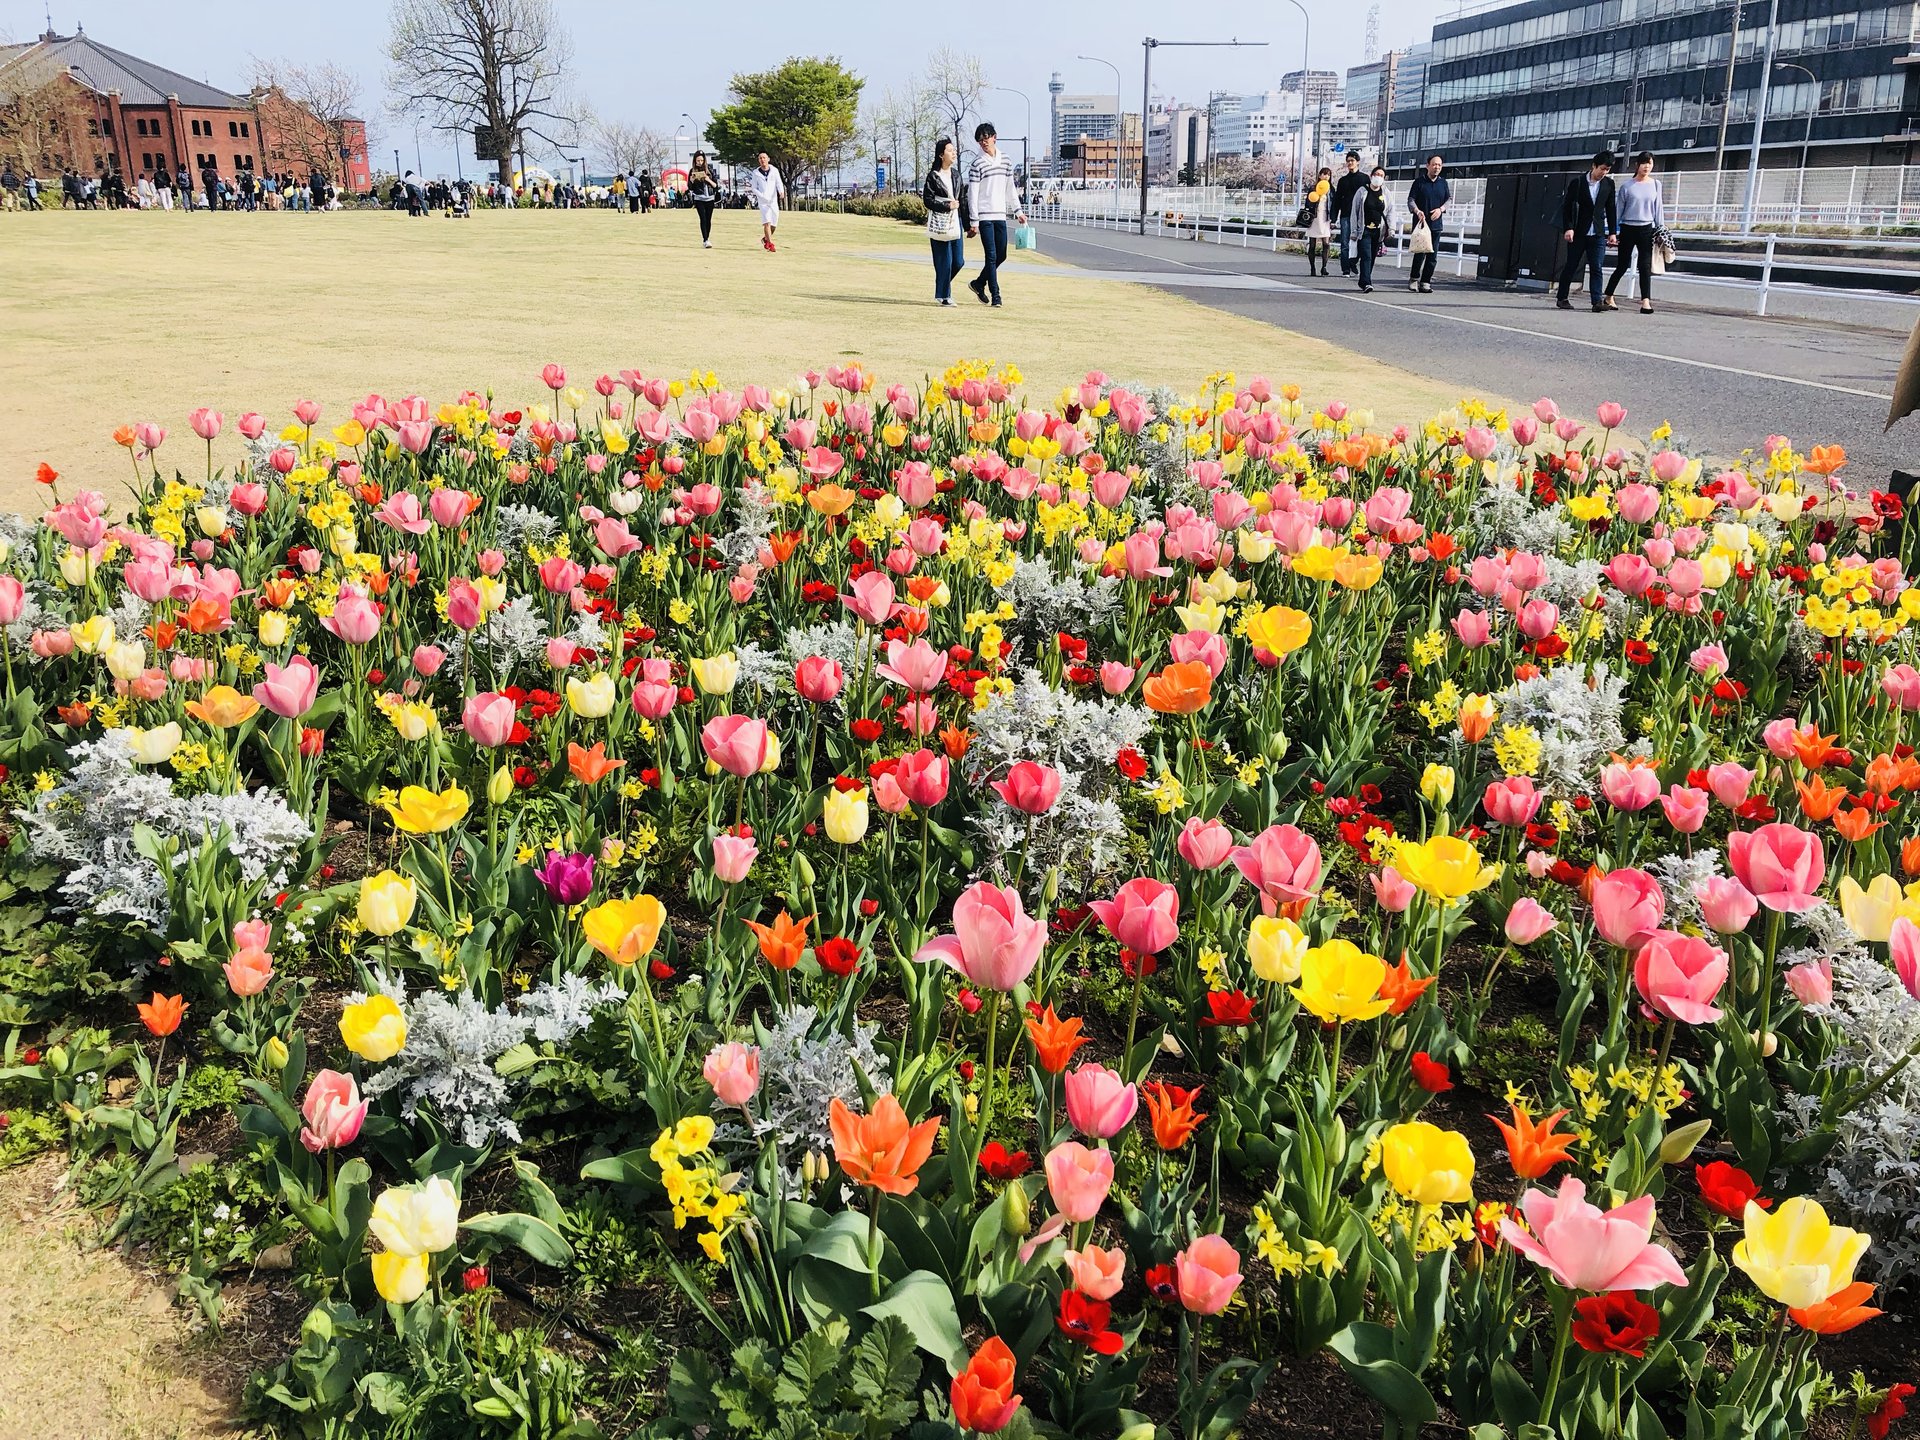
{"x": 568, "y": 878}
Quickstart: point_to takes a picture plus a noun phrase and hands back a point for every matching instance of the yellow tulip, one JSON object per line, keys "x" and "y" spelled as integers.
{"x": 772, "y": 761}
{"x": 625, "y": 931}
{"x": 77, "y": 567}
{"x": 1316, "y": 562}
{"x": 831, "y": 499}
{"x": 1428, "y": 1165}
{"x": 717, "y": 674}
{"x": 386, "y": 903}
{"x": 400, "y": 1279}
{"x": 1796, "y": 1256}
{"x": 91, "y": 637}
{"x": 212, "y": 521}
{"x": 1206, "y": 614}
{"x": 126, "y": 659}
{"x": 421, "y": 1219}
{"x": 1276, "y": 947}
{"x": 272, "y": 629}
{"x": 1280, "y": 629}
{"x": 1357, "y": 572}
{"x": 591, "y": 698}
{"x": 1436, "y": 785}
{"x": 1340, "y": 982}
{"x": 845, "y": 816}
{"x": 1715, "y": 570}
{"x": 1444, "y": 867}
{"x": 1256, "y": 546}
{"x": 374, "y": 1029}
{"x": 155, "y": 746}
{"x": 1870, "y": 912}
{"x": 492, "y": 593}
{"x": 223, "y": 707}
{"x": 421, "y": 812}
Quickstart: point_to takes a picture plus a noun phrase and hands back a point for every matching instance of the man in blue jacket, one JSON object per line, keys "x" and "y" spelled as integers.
{"x": 1591, "y": 221}
{"x": 1427, "y": 199}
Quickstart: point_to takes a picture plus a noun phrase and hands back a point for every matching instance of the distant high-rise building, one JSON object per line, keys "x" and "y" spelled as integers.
{"x": 1095, "y": 116}
{"x": 1322, "y": 86}
{"x": 1056, "y": 87}
{"x": 1176, "y": 143}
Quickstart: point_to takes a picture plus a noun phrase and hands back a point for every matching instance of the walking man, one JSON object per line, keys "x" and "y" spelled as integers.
{"x": 1351, "y": 184}
{"x": 992, "y": 195}
{"x": 1592, "y": 222}
{"x": 1427, "y": 198}
{"x": 768, "y": 191}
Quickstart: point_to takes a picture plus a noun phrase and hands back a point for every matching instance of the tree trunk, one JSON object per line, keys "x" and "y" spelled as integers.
{"x": 503, "y": 163}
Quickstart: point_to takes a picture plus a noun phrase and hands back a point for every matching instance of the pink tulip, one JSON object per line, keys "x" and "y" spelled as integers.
{"x": 1811, "y": 982}
{"x": 290, "y": 689}
{"x": 1204, "y": 844}
{"x": 1903, "y": 944}
{"x": 401, "y": 511}
{"x": 1630, "y": 574}
{"x": 1282, "y": 863}
{"x": 449, "y": 506}
{"x": 733, "y": 1070}
{"x": 1679, "y": 976}
{"x": 923, "y": 778}
{"x": 818, "y": 679}
{"x": 1512, "y": 802}
{"x": 1726, "y": 905}
{"x": 1628, "y": 906}
{"x": 554, "y": 376}
{"x": 248, "y": 498}
{"x": 1781, "y": 865}
{"x": 427, "y": 660}
{"x": 559, "y": 574}
{"x": 333, "y": 1112}
{"x": 1030, "y": 787}
{"x": 1710, "y": 661}
{"x": 918, "y": 666}
{"x": 13, "y": 598}
{"x": 249, "y": 972}
{"x": 1393, "y": 890}
{"x": 736, "y": 743}
{"x": 205, "y": 422}
{"x": 1778, "y": 736}
{"x": 1528, "y": 921}
{"x": 1099, "y": 1103}
{"x": 1686, "y": 808}
{"x": 655, "y": 699}
{"x": 1610, "y": 414}
{"x": 1078, "y": 1179}
{"x": 464, "y": 608}
{"x": 306, "y": 411}
{"x": 1144, "y": 915}
{"x": 872, "y": 598}
{"x": 1902, "y": 684}
{"x": 1206, "y": 1274}
{"x": 733, "y": 857}
{"x": 1637, "y": 503}
{"x": 1730, "y": 783}
{"x": 994, "y": 944}
{"x": 1629, "y": 787}
{"x": 252, "y": 424}
{"x": 1115, "y": 678}
{"x": 488, "y": 719}
{"x": 1586, "y": 1248}
{"x": 888, "y": 795}
{"x": 1098, "y": 1274}
{"x": 355, "y": 619}
{"x": 1201, "y": 647}
{"x": 1473, "y": 629}
{"x": 1537, "y": 619}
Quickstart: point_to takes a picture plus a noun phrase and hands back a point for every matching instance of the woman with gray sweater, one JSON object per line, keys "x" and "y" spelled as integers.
{"x": 1641, "y": 220}
{"x": 1371, "y": 221}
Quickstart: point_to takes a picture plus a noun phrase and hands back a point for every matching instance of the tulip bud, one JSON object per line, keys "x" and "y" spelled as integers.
{"x": 1768, "y": 1043}
{"x": 814, "y": 1168}
{"x": 1050, "y": 891}
{"x": 57, "y": 1059}
{"x": 274, "y": 1052}
{"x": 1276, "y": 747}
{"x": 803, "y": 871}
{"x": 970, "y": 1102}
{"x": 500, "y": 786}
{"x": 1014, "y": 1218}
{"x": 1675, "y": 1149}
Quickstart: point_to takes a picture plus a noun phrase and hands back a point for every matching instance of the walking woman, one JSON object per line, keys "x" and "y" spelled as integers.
{"x": 1641, "y": 221}
{"x": 703, "y": 190}
{"x": 947, "y": 220}
{"x": 1320, "y": 225}
{"x": 1371, "y": 221}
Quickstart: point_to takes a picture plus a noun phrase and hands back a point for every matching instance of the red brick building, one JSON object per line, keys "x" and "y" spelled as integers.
{"x": 68, "y": 100}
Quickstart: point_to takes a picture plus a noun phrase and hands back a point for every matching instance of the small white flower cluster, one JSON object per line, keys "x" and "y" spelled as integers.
{"x": 1579, "y": 724}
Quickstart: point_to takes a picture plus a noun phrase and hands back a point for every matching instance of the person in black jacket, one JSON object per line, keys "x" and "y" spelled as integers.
{"x": 703, "y": 190}
{"x": 949, "y": 217}
{"x": 1591, "y": 220}
{"x": 1351, "y": 184}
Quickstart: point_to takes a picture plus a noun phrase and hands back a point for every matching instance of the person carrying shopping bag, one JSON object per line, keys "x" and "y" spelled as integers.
{"x": 948, "y": 217}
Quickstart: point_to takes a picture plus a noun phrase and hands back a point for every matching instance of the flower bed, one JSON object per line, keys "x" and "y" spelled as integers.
{"x": 888, "y": 909}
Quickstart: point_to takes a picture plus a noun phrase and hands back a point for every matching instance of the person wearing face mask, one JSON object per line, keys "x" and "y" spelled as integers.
{"x": 1370, "y": 218}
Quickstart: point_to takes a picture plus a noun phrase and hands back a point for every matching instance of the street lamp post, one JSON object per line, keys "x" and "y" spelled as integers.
{"x": 1026, "y": 143}
{"x": 686, "y": 123}
{"x": 1306, "y": 37}
{"x": 1759, "y": 122}
{"x": 1119, "y": 108}
{"x": 1806, "y": 138}
{"x": 1148, "y": 45}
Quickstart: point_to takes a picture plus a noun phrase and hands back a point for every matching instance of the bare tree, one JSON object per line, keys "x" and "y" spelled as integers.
{"x": 34, "y": 108}
{"x": 497, "y": 67}
{"x": 630, "y": 147}
{"x": 955, "y": 83}
{"x": 329, "y": 95}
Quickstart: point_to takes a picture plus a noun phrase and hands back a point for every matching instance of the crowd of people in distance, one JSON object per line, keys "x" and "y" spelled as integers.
{"x": 161, "y": 189}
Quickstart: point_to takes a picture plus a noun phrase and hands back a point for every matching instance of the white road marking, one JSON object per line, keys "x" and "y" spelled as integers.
{"x": 1511, "y": 329}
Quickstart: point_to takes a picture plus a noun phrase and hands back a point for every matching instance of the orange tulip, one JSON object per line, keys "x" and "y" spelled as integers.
{"x": 1838, "y": 1313}
{"x": 278, "y": 592}
{"x": 223, "y": 707}
{"x": 1402, "y": 988}
{"x": 163, "y": 633}
{"x": 1174, "y": 1118}
{"x": 161, "y": 1015}
{"x": 1532, "y": 1147}
{"x": 1825, "y": 459}
{"x": 1182, "y": 688}
{"x": 1883, "y": 776}
{"x": 880, "y": 1149}
{"x": 924, "y": 587}
{"x": 207, "y": 617}
{"x": 123, "y": 436}
{"x": 1810, "y": 747}
{"x": 590, "y": 767}
{"x": 1054, "y": 1039}
{"x": 831, "y": 500}
{"x": 782, "y": 545}
{"x": 1818, "y": 800}
{"x": 784, "y": 941}
{"x": 1857, "y": 824}
{"x": 1910, "y": 855}
{"x": 1476, "y": 718}
{"x": 956, "y": 740}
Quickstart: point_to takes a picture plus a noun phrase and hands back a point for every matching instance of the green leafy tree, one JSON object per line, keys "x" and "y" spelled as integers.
{"x": 799, "y": 112}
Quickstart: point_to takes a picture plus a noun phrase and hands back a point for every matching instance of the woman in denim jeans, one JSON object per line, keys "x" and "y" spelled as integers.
{"x": 947, "y": 221}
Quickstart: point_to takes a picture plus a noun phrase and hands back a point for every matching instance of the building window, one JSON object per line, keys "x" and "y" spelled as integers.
{"x": 106, "y": 127}
{"x": 243, "y": 128}
{"x": 243, "y": 162}
{"x": 93, "y": 127}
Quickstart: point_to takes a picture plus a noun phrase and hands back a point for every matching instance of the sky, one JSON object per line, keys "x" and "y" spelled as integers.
{"x": 648, "y": 64}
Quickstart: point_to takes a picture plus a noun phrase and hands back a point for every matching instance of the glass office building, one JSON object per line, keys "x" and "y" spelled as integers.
{"x": 1547, "y": 81}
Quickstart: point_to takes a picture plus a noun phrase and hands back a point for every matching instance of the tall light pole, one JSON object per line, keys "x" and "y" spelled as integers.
{"x": 1806, "y": 138}
{"x": 1306, "y": 37}
{"x": 1026, "y": 142}
{"x": 1119, "y": 107}
{"x": 1148, "y": 45}
{"x": 1759, "y": 121}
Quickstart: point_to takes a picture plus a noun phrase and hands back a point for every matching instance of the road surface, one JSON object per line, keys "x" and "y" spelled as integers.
{"x": 1724, "y": 381}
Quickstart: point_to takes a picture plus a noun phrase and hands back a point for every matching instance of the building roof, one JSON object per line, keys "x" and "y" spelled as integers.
{"x": 102, "y": 68}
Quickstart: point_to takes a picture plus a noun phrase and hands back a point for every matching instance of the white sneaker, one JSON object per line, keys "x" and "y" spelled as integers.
{"x": 1414, "y": 285}
{"x": 1426, "y": 289}
{"x": 706, "y": 244}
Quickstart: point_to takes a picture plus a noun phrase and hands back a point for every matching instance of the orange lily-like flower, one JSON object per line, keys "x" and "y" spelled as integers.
{"x": 276, "y": 593}
{"x": 1183, "y": 688}
{"x": 924, "y": 587}
{"x": 1532, "y": 1146}
{"x": 1825, "y": 459}
{"x": 1810, "y": 747}
{"x": 956, "y": 740}
{"x": 1054, "y": 1039}
{"x": 1174, "y": 1118}
{"x": 1839, "y": 1312}
{"x": 784, "y": 941}
{"x": 1884, "y": 774}
{"x": 163, "y": 633}
{"x": 782, "y": 545}
{"x": 208, "y": 617}
{"x": 223, "y": 707}
{"x": 1910, "y": 855}
{"x": 162, "y": 1014}
{"x": 1402, "y": 987}
{"x": 1857, "y": 824}
{"x": 881, "y": 1149}
{"x": 590, "y": 767}
{"x": 1818, "y": 800}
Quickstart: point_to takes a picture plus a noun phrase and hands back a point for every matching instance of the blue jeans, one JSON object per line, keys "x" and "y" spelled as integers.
{"x": 1590, "y": 251}
{"x": 949, "y": 259}
{"x": 1346, "y": 244}
{"x": 993, "y": 249}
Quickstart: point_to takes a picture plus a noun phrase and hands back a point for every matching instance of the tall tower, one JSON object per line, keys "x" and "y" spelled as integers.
{"x": 1372, "y": 52}
{"x": 1056, "y": 87}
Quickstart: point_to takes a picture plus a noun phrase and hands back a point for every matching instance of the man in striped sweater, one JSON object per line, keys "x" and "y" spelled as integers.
{"x": 992, "y": 195}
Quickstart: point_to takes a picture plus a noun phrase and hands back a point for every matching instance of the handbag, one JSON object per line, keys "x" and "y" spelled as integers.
{"x": 1024, "y": 238}
{"x": 1304, "y": 218}
{"x": 1422, "y": 242}
{"x": 943, "y": 225}
{"x": 1663, "y": 251}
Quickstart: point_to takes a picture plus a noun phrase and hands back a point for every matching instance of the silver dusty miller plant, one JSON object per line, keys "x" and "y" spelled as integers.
{"x": 1578, "y": 723}
{"x": 802, "y": 1073}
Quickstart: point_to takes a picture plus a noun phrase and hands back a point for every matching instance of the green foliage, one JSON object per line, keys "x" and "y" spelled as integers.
{"x": 822, "y": 1388}
{"x": 612, "y": 1245}
{"x": 210, "y": 1087}
{"x": 909, "y": 208}
{"x": 42, "y": 970}
{"x": 798, "y": 112}
{"x": 27, "y": 1133}
{"x": 1514, "y": 1053}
